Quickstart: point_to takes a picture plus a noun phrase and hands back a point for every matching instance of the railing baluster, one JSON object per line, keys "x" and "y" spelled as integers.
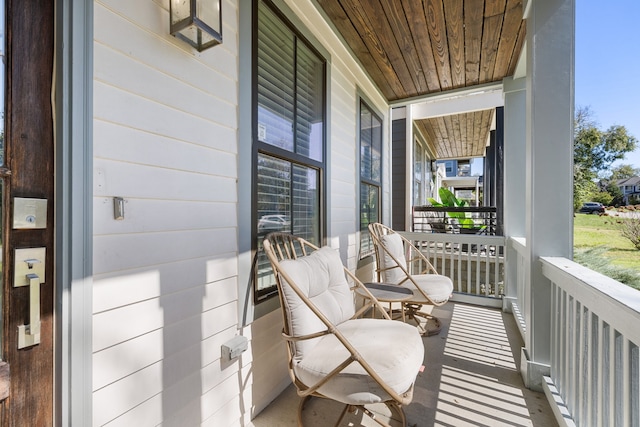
{"x": 625, "y": 379}
{"x": 600, "y": 401}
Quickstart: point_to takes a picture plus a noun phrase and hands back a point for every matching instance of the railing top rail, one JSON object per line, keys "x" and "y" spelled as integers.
{"x": 489, "y": 209}
{"x": 519, "y": 244}
{"x": 453, "y": 238}
{"x": 612, "y": 301}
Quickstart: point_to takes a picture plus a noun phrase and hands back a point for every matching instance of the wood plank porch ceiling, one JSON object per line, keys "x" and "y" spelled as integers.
{"x": 413, "y": 48}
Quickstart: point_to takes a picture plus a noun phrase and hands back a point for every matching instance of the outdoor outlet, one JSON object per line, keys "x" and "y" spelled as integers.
{"x": 234, "y": 347}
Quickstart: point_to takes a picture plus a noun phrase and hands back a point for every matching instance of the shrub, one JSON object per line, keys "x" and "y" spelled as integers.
{"x": 594, "y": 259}
{"x": 630, "y": 229}
{"x": 602, "y": 197}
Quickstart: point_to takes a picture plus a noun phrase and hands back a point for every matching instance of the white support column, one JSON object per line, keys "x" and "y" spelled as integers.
{"x": 515, "y": 137}
{"x": 549, "y": 157}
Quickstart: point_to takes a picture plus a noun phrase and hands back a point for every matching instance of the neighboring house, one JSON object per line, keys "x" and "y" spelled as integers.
{"x": 139, "y": 169}
{"x": 456, "y": 167}
{"x": 630, "y": 187}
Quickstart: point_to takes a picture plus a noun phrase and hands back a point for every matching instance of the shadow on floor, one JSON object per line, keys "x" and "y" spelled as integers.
{"x": 471, "y": 378}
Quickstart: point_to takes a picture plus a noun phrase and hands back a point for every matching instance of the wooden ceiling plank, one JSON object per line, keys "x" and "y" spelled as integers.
{"x": 437, "y": 137}
{"x": 509, "y": 35}
{"x": 454, "y": 18}
{"x": 418, "y": 27}
{"x": 373, "y": 59}
{"x": 434, "y": 11}
{"x": 446, "y": 137}
{"x": 487, "y": 117}
{"x": 484, "y": 123}
{"x": 397, "y": 19}
{"x": 427, "y": 132}
{"x": 490, "y": 41}
{"x": 477, "y": 123}
{"x": 433, "y": 140}
{"x": 522, "y": 35}
{"x": 454, "y": 132}
{"x": 377, "y": 26}
{"x": 485, "y": 126}
{"x": 469, "y": 126}
{"x": 473, "y": 20}
{"x": 387, "y": 83}
{"x": 494, "y": 8}
{"x": 463, "y": 130}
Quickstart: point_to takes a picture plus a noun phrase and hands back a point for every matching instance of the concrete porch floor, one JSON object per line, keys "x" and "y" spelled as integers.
{"x": 470, "y": 378}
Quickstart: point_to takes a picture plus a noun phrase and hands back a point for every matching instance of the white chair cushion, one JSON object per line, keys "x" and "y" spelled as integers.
{"x": 320, "y": 276}
{"x": 393, "y": 349}
{"x": 393, "y": 244}
{"x": 436, "y": 286}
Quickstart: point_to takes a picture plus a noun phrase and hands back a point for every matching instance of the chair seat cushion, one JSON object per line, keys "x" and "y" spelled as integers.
{"x": 437, "y": 286}
{"x": 393, "y": 349}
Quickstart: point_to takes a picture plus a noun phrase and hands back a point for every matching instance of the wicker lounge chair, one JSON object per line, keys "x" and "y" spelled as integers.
{"x": 332, "y": 352}
{"x": 399, "y": 262}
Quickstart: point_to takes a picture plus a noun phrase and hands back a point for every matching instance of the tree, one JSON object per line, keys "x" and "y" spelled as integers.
{"x": 594, "y": 151}
{"x": 616, "y": 193}
{"x": 623, "y": 172}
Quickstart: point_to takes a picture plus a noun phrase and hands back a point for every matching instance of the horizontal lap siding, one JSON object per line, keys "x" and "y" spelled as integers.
{"x": 165, "y": 284}
{"x": 165, "y": 277}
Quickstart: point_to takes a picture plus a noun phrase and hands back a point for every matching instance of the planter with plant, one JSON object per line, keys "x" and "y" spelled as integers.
{"x": 449, "y": 200}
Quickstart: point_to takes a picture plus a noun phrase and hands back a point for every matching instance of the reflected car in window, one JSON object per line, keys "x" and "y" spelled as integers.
{"x": 269, "y": 223}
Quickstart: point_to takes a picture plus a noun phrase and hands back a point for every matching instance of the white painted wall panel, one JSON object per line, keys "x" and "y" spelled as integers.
{"x": 117, "y": 289}
{"x": 149, "y": 116}
{"x": 113, "y": 142}
{"x": 152, "y": 215}
{"x": 126, "y": 251}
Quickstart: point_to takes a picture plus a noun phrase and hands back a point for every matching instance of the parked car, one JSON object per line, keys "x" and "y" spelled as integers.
{"x": 592, "y": 208}
{"x": 268, "y": 223}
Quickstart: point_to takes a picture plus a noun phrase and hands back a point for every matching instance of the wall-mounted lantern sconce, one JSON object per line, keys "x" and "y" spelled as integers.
{"x": 197, "y": 22}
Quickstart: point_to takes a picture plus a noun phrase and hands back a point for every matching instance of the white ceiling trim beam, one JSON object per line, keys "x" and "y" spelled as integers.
{"x": 468, "y": 103}
{"x": 450, "y": 94}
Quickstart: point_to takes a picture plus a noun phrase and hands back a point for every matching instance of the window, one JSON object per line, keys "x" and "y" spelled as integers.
{"x": 449, "y": 168}
{"x": 289, "y": 138}
{"x": 370, "y": 173}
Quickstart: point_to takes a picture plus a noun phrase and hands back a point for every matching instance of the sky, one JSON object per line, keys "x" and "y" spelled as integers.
{"x": 607, "y": 63}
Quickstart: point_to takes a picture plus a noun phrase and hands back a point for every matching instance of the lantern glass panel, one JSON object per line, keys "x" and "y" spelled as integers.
{"x": 179, "y": 10}
{"x": 209, "y": 13}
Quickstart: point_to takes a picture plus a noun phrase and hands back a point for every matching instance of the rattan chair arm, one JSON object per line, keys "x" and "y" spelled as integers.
{"x": 305, "y": 337}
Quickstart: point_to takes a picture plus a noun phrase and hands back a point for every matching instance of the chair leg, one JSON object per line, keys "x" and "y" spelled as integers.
{"x": 413, "y": 312}
{"x": 393, "y": 407}
{"x": 303, "y": 401}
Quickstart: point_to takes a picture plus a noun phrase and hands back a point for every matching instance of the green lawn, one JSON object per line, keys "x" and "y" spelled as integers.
{"x": 600, "y": 236}
{"x": 590, "y": 231}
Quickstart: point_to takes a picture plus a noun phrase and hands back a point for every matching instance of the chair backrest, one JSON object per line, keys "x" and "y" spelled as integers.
{"x": 392, "y": 258}
{"x": 313, "y": 288}
{"x": 395, "y": 254}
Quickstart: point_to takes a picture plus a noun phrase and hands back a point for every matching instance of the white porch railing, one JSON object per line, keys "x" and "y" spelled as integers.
{"x": 521, "y": 304}
{"x": 595, "y": 334}
{"x": 475, "y": 263}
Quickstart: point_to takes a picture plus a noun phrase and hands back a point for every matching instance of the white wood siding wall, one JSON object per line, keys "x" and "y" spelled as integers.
{"x": 165, "y": 277}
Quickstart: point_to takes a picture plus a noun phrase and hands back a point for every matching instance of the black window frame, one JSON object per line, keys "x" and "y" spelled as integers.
{"x": 260, "y": 148}
{"x": 366, "y": 244}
